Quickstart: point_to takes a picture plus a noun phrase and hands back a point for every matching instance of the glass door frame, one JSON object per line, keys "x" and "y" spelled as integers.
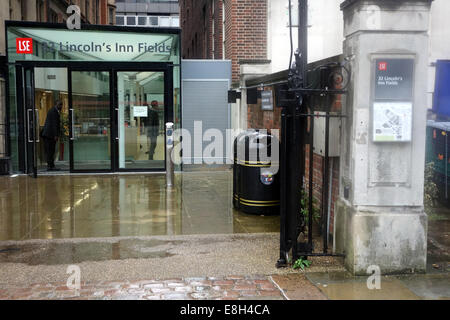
{"x": 167, "y": 70}
{"x": 105, "y": 66}
{"x": 71, "y": 118}
{"x": 29, "y": 126}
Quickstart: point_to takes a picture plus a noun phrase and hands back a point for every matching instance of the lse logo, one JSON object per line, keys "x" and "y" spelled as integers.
{"x": 382, "y": 66}
{"x": 24, "y": 45}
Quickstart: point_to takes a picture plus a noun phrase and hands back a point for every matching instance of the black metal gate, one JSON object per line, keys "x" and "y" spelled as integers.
{"x": 305, "y": 90}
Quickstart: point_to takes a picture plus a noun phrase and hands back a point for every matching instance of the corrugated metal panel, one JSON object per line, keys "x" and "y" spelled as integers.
{"x": 206, "y": 101}
{"x": 205, "y": 98}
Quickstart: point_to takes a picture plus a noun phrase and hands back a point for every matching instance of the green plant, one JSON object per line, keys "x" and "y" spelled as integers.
{"x": 301, "y": 264}
{"x": 304, "y": 201}
{"x": 64, "y": 119}
{"x": 431, "y": 192}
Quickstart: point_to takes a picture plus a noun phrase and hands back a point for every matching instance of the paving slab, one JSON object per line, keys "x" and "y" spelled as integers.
{"x": 344, "y": 286}
{"x": 298, "y": 287}
{"x": 182, "y": 289}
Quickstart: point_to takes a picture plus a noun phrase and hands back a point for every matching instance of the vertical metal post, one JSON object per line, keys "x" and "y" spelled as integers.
{"x": 303, "y": 37}
{"x": 303, "y": 50}
{"x": 169, "y": 150}
{"x": 293, "y": 129}
{"x": 283, "y": 197}
{"x": 325, "y": 184}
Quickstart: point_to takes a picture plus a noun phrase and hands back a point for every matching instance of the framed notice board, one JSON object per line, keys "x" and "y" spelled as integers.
{"x": 393, "y": 96}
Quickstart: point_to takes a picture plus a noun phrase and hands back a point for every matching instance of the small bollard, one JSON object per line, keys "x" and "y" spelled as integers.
{"x": 169, "y": 148}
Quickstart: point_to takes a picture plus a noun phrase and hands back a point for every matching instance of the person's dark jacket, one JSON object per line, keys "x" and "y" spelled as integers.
{"x": 152, "y": 122}
{"x": 52, "y": 126}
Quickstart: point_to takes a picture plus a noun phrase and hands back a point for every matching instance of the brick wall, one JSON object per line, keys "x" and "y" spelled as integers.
{"x": 197, "y": 24}
{"x": 318, "y": 170}
{"x": 218, "y": 30}
{"x": 258, "y": 119}
{"x": 245, "y": 30}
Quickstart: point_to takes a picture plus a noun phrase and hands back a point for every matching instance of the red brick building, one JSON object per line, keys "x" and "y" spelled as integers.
{"x": 235, "y": 30}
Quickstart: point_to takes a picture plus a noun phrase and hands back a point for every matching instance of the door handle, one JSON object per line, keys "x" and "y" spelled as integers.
{"x": 72, "y": 137}
{"x": 29, "y": 126}
{"x": 37, "y": 125}
{"x": 118, "y": 128}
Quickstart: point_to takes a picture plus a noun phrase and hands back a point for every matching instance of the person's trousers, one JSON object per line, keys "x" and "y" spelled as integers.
{"x": 153, "y": 141}
{"x": 50, "y": 148}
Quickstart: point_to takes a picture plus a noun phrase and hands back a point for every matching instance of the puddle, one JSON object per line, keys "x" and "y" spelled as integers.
{"x": 73, "y": 253}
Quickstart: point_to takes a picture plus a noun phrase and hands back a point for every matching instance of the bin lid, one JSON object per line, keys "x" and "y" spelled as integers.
{"x": 439, "y": 125}
{"x": 257, "y": 143}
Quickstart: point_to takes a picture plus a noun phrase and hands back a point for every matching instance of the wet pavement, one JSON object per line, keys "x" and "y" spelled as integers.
{"x": 132, "y": 239}
{"x": 58, "y": 207}
{"x": 438, "y": 251}
{"x": 234, "y": 266}
{"x": 208, "y": 288}
{"x": 344, "y": 286}
{"x": 161, "y": 257}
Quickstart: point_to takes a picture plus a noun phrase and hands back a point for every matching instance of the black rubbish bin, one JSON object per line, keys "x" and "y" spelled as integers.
{"x": 4, "y": 166}
{"x": 256, "y": 185}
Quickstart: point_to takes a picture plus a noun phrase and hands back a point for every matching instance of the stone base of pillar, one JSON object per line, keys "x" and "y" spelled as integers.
{"x": 393, "y": 238}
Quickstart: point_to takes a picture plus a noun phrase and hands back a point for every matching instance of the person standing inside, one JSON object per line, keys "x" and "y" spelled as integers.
{"x": 152, "y": 124}
{"x": 51, "y": 133}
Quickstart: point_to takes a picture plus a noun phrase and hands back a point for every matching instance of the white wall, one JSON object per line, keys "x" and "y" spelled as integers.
{"x": 325, "y": 32}
{"x": 439, "y": 40}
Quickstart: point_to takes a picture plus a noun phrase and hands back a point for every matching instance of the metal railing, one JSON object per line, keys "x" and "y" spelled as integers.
{"x": 305, "y": 91}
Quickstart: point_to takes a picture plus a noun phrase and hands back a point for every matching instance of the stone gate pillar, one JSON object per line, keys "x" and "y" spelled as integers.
{"x": 380, "y": 218}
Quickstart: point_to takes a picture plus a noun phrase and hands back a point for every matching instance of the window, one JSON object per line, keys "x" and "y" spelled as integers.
{"x": 176, "y": 22}
{"x": 40, "y": 10}
{"x": 87, "y": 13}
{"x": 164, "y": 21}
{"x": 53, "y": 17}
{"x": 111, "y": 15}
{"x": 131, "y": 21}
{"x": 120, "y": 20}
{"x": 142, "y": 21}
{"x": 154, "y": 21}
{"x": 97, "y": 11}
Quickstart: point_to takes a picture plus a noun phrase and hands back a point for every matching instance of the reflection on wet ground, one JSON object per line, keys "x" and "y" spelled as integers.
{"x": 58, "y": 207}
{"x": 54, "y": 253}
{"x": 344, "y": 286}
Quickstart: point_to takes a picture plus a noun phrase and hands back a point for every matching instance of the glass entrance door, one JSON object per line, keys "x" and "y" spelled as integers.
{"x": 141, "y": 115}
{"x": 91, "y": 121}
{"x": 110, "y": 120}
{"x": 32, "y": 136}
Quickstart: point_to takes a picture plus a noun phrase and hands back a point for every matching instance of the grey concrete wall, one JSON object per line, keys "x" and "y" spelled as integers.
{"x": 382, "y": 222}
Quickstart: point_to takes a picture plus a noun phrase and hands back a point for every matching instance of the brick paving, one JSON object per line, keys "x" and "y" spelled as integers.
{"x": 227, "y": 288}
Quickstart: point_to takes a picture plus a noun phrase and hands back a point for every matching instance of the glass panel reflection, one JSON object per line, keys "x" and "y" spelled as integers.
{"x": 141, "y": 120}
{"x": 91, "y": 120}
